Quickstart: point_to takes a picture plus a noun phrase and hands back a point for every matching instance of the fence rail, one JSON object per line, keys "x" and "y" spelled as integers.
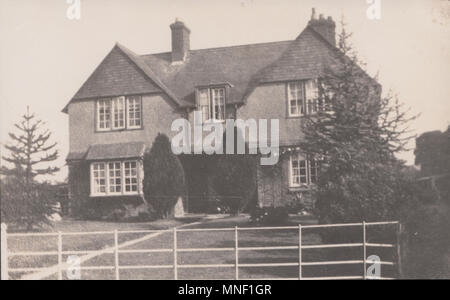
{"x": 116, "y": 251}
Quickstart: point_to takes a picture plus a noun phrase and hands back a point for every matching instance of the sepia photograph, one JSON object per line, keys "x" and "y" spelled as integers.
{"x": 204, "y": 142}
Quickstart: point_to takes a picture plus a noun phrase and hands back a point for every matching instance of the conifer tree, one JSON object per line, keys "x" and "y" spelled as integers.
{"x": 24, "y": 199}
{"x": 164, "y": 180}
{"x": 356, "y": 134}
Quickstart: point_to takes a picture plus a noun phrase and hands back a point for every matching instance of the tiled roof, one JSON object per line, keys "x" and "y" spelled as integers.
{"x": 234, "y": 65}
{"x": 243, "y": 67}
{"x": 75, "y": 156}
{"x": 116, "y": 74}
{"x": 305, "y": 58}
{"x": 115, "y": 151}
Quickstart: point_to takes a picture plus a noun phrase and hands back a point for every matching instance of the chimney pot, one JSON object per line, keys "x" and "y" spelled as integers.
{"x": 325, "y": 27}
{"x": 313, "y": 15}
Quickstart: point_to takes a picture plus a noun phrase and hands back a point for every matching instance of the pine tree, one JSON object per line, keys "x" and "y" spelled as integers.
{"x": 23, "y": 198}
{"x": 356, "y": 134}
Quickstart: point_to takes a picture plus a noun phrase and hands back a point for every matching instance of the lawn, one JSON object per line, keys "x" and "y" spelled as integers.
{"x": 202, "y": 239}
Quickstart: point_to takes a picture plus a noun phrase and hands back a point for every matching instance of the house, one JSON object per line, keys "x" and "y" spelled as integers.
{"x": 129, "y": 98}
{"x": 433, "y": 156}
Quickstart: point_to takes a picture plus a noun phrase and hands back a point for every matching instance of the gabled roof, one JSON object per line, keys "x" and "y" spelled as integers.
{"x": 242, "y": 67}
{"x": 122, "y": 72}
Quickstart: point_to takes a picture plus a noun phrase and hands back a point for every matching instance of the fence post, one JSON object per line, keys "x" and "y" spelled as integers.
{"x": 175, "y": 250}
{"x": 236, "y": 253}
{"x": 364, "y": 249}
{"x": 59, "y": 255}
{"x": 299, "y": 251}
{"x": 4, "y": 252}
{"x": 399, "y": 250}
{"x": 116, "y": 254}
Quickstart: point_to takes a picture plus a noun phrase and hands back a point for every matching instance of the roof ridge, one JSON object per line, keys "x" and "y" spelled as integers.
{"x": 224, "y": 47}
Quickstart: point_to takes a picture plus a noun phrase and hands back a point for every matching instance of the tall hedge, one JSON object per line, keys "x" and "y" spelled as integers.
{"x": 164, "y": 179}
{"x": 234, "y": 176}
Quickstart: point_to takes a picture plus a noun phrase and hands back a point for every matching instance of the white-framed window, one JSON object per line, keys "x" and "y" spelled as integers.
{"x": 303, "y": 97}
{"x": 212, "y": 102}
{"x": 104, "y": 114}
{"x": 295, "y": 98}
{"x": 134, "y": 112}
{"x": 118, "y": 110}
{"x": 203, "y": 103}
{"x": 119, "y": 113}
{"x": 302, "y": 171}
{"x": 115, "y": 178}
{"x": 98, "y": 178}
{"x": 311, "y": 96}
{"x": 131, "y": 177}
{"x": 218, "y": 103}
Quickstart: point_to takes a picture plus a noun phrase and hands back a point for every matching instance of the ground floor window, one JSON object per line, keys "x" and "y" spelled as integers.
{"x": 303, "y": 171}
{"x": 114, "y": 178}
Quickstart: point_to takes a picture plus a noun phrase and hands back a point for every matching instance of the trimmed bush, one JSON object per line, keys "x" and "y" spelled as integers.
{"x": 164, "y": 180}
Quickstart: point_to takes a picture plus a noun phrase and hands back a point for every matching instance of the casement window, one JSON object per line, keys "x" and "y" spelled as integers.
{"x": 98, "y": 176}
{"x": 211, "y": 102}
{"x": 295, "y": 98}
{"x": 303, "y": 172}
{"x": 303, "y": 97}
{"x": 203, "y": 104}
{"x": 131, "y": 177}
{"x": 134, "y": 112}
{"x": 104, "y": 114}
{"x": 218, "y": 103}
{"x": 115, "y": 178}
{"x": 119, "y": 113}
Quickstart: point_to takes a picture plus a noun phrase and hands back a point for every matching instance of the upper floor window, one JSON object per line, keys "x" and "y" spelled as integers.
{"x": 134, "y": 112}
{"x": 303, "y": 172}
{"x": 303, "y": 97}
{"x": 211, "y": 102}
{"x": 119, "y": 113}
{"x": 103, "y": 114}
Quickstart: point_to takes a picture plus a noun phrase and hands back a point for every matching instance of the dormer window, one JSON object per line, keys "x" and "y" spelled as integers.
{"x": 303, "y": 97}
{"x": 119, "y": 113}
{"x": 211, "y": 102}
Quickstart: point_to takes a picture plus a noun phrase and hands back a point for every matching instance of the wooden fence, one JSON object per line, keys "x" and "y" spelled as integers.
{"x": 363, "y": 261}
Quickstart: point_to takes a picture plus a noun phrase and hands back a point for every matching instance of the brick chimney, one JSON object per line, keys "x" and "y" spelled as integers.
{"x": 325, "y": 27}
{"x": 180, "y": 41}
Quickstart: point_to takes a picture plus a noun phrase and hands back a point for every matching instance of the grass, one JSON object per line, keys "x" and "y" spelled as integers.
{"x": 211, "y": 239}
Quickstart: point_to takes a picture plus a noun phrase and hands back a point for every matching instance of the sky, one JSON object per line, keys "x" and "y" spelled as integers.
{"x": 45, "y": 57}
